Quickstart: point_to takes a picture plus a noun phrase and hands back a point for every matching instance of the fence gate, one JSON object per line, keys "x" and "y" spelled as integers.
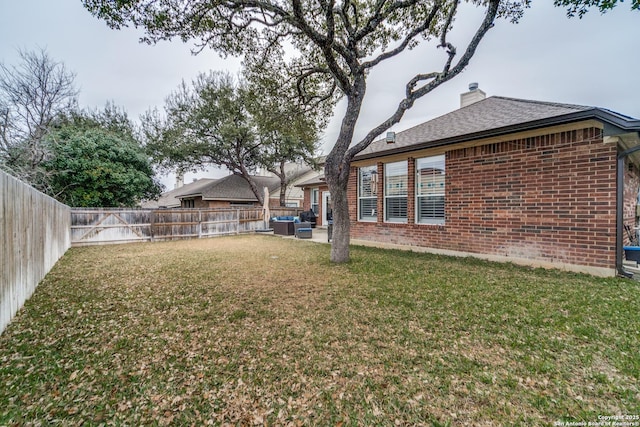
{"x": 104, "y": 226}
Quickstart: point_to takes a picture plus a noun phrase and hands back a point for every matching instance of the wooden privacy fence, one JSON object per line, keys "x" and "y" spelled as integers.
{"x": 34, "y": 234}
{"x": 108, "y": 226}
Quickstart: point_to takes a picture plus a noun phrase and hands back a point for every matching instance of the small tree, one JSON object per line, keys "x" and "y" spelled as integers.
{"x": 95, "y": 161}
{"x": 32, "y": 95}
{"x": 336, "y": 43}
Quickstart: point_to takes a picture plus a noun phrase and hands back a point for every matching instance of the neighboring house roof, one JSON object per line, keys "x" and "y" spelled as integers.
{"x": 294, "y": 175}
{"x": 171, "y": 199}
{"x": 233, "y": 188}
{"x": 494, "y": 116}
{"x": 317, "y": 179}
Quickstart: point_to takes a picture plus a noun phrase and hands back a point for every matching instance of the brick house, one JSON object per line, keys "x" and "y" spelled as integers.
{"x": 317, "y": 197}
{"x": 535, "y": 183}
{"x": 232, "y": 191}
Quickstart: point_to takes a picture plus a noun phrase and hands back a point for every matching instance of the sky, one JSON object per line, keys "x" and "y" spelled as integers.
{"x": 591, "y": 61}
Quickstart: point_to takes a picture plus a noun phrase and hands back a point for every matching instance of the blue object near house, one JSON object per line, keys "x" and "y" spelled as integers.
{"x": 632, "y": 253}
{"x": 286, "y": 218}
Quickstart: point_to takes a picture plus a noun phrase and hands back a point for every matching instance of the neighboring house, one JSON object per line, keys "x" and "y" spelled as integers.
{"x": 316, "y": 196}
{"x": 230, "y": 191}
{"x": 538, "y": 183}
{"x": 170, "y": 199}
{"x": 296, "y": 172}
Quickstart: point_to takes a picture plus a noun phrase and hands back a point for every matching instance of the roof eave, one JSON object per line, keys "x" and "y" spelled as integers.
{"x": 617, "y": 124}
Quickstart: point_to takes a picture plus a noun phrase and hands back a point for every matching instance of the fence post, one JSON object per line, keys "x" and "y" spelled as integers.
{"x": 238, "y": 221}
{"x": 152, "y": 224}
{"x": 199, "y": 223}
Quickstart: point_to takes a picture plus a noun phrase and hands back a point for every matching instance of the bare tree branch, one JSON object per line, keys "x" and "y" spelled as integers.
{"x": 407, "y": 40}
{"x": 435, "y": 80}
{"x": 32, "y": 94}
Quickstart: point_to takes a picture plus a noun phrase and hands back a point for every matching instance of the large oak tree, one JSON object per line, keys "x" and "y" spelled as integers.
{"x": 330, "y": 46}
{"x": 238, "y": 124}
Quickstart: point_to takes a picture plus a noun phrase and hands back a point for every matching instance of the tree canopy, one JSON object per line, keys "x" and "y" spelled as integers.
{"x": 96, "y": 161}
{"x": 233, "y": 123}
{"x": 580, "y": 7}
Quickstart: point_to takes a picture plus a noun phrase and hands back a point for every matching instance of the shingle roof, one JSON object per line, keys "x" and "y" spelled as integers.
{"x": 492, "y": 116}
{"x": 234, "y": 188}
{"x": 170, "y": 199}
{"x": 317, "y": 179}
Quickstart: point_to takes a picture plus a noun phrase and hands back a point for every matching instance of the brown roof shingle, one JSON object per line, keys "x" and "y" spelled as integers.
{"x": 234, "y": 188}
{"x": 171, "y": 199}
{"x": 491, "y": 114}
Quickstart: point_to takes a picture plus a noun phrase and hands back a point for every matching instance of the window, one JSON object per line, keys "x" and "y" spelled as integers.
{"x": 430, "y": 185}
{"x": 315, "y": 201}
{"x": 368, "y": 193}
{"x": 395, "y": 192}
{"x": 188, "y": 203}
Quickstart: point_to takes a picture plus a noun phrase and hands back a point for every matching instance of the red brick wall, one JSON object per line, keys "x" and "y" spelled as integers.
{"x": 549, "y": 198}
{"x": 217, "y": 204}
{"x": 306, "y": 203}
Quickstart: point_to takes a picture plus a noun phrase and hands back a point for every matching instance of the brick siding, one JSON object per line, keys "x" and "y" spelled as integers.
{"x": 549, "y": 198}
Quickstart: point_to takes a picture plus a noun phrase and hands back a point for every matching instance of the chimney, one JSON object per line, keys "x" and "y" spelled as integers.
{"x": 474, "y": 95}
{"x": 179, "y": 180}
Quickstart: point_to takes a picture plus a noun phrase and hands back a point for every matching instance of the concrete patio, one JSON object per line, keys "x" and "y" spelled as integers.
{"x": 318, "y": 235}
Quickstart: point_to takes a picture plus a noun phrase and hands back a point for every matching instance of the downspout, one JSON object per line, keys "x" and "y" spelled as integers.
{"x": 620, "y": 209}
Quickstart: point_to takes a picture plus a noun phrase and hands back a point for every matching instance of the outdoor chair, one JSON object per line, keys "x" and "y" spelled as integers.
{"x": 305, "y": 226}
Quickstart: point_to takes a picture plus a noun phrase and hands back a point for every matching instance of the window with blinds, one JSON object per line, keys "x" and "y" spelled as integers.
{"x": 395, "y": 192}
{"x": 367, "y": 193}
{"x": 430, "y": 190}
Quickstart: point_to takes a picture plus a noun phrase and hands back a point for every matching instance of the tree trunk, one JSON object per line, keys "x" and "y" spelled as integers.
{"x": 283, "y": 192}
{"x": 252, "y": 184}
{"x": 284, "y": 182}
{"x": 283, "y": 185}
{"x": 341, "y": 224}
{"x": 337, "y": 167}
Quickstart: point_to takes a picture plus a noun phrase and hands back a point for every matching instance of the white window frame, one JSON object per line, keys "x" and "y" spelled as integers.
{"x": 435, "y": 186}
{"x": 370, "y": 172}
{"x": 396, "y": 189}
{"x": 315, "y": 200}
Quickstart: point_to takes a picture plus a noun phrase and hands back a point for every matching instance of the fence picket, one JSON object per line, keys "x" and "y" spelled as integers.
{"x": 34, "y": 234}
{"x": 93, "y": 227}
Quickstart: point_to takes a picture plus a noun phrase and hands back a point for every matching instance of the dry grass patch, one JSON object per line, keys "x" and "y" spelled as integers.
{"x": 261, "y": 330}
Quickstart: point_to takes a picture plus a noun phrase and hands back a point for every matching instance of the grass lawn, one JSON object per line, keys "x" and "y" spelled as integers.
{"x": 257, "y": 330}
